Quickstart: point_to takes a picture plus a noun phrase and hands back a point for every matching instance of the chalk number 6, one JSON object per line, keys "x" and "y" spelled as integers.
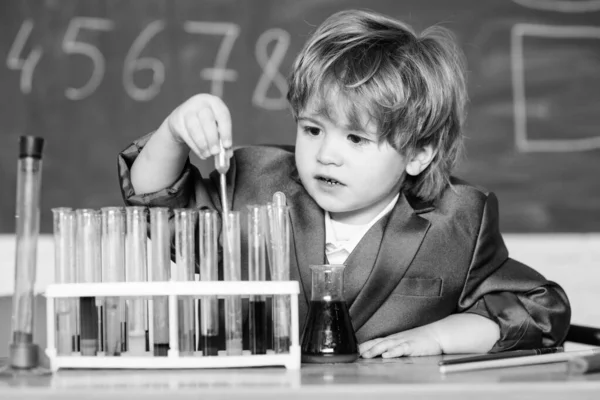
{"x": 71, "y": 45}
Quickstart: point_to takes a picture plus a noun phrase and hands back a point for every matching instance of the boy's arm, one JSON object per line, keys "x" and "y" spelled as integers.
{"x": 455, "y": 334}
{"x": 160, "y": 162}
{"x": 525, "y": 309}
{"x": 531, "y": 311}
{"x": 179, "y": 194}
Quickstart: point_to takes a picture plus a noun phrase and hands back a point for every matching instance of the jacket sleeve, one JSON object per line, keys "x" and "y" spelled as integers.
{"x": 190, "y": 190}
{"x": 531, "y": 311}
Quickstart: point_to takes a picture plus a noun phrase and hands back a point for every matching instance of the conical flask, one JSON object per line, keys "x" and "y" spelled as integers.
{"x": 328, "y": 335}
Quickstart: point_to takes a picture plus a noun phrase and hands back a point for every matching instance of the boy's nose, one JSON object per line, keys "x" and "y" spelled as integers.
{"x": 329, "y": 152}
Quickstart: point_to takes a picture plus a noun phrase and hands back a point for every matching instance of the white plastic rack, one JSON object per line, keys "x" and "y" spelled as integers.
{"x": 173, "y": 290}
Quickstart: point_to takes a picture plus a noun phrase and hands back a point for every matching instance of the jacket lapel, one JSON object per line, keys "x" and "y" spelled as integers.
{"x": 360, "y": 262}
{"x": 401, "y": 240}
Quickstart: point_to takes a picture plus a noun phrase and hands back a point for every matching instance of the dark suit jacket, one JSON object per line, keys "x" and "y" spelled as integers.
{"x": 420, "y": 263}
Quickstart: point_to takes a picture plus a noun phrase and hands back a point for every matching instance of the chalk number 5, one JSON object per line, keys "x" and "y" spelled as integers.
{"x": 71, "y": 45}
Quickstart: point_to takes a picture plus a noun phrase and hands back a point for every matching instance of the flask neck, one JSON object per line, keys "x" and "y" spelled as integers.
{"x": 327, "y": 282}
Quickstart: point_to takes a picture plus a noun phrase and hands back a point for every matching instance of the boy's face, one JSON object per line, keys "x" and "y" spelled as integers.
{"x": 344, "y": 168}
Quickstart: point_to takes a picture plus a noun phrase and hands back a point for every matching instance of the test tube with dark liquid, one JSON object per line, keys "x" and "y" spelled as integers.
{"x": 113, "y": 270}
{"x": 136, "y": 271}
{"x": 185, "y": 221}
{"x": 161, "y": 272}
{"x": 257, "y": 317}
{"x": 64, "y": 272}
{"x": 209, "y": 306}
{"x": 89, "y": 269}
{"x": 23, "y": 351}
{"x": 232, "y": 272}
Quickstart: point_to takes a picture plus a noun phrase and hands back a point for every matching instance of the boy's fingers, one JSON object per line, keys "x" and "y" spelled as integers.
{"x": 209, "y": 127}
{"x": 401, "y": 349}
{"x": 365, "y": 346}
{"x": 194, "y": 135}
{"x": 223, "y": 119}
{"x": 379, "y": 348}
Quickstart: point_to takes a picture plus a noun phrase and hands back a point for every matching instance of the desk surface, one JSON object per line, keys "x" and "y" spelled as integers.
{"x": 404, "y": 378}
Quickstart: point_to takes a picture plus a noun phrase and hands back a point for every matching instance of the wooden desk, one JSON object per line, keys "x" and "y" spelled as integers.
{"x": 404, "y": 378}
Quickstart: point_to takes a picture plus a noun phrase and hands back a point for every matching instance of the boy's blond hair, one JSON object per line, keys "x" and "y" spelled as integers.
{"x": 411, "y": 85}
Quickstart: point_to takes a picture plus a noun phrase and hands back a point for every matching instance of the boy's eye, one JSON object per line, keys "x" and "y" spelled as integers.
{"x": 357, "y": 139}
{"x": 311, "y": 130}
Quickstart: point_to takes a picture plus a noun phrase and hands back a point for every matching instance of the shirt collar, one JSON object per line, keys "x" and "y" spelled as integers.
{"x": 331, "y": 241}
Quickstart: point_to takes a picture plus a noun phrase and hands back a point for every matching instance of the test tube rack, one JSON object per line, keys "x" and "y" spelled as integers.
{"x": 173, "y": 290}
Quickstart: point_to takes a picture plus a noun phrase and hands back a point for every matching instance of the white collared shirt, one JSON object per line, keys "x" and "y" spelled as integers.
{"x": 341, "y": 239}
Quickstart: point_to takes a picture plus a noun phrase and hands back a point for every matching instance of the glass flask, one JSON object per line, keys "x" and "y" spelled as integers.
{"x": 328, "y": 335}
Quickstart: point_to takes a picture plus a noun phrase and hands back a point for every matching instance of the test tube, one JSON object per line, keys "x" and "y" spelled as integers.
{"x": 257, "y": 317}
{"x": 279, "y": 235}
{"x": 89, "y": 263}
{"x": 64, "y": 272}
{"x": 136, "y": 271}
{"x": 23, "y": 352}
{"x": 185, "y": 221}
{"x": 232, "y": 272}
{"x": 209, "y": 306}
{"x": 161, "y": 272}
{"x": 113, "y": 270}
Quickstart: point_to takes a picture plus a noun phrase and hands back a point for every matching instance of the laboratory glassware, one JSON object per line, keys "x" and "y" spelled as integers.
{"x": 328, "y": 335}
{"x": 64, "y": 272}
{"x": 113, "y": 270}
{"x": 160, "y": 246}
{"x": 23, "y": 352}
{"x": 209, "y": 306}
{"x": 136, "y": 271}
{"x": 185, "y": 221}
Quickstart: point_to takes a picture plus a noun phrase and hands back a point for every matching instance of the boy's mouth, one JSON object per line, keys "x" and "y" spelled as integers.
{"x": 328, "y": 180}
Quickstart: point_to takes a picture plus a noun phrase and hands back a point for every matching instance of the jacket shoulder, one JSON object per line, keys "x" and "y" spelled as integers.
{"x": 264, "y": 161}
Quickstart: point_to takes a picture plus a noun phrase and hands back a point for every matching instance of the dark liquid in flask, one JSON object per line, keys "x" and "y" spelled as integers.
{"x": 328, "y": 334}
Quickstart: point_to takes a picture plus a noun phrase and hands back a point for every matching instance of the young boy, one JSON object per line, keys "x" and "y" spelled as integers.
{"x": 379, "y": 112}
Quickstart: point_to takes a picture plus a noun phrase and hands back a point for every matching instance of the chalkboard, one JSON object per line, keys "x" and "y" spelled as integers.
{"x": 90, "y": 76}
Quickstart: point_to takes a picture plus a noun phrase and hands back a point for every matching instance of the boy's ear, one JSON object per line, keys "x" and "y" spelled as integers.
{"x": 420, "y": 160}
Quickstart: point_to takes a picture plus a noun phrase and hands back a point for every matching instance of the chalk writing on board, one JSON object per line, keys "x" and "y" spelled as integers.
{"x": 27, "y": 65}
{"x": 522, "y": 141}
{"x": 134, "y": 63}
{"x": 218, "y": 74}
{"x": 566, "y": 6}
{"x": 71, "y": 45}
{"x": 270, "y": 66}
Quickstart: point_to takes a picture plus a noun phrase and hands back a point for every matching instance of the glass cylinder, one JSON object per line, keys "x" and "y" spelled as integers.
{"x": 209, "y": 257}
{"x": 113, "y": 270}
{"x": 64, "y": 272}
{"x": 136, "y": 271}
{"x": 185, "y": 221}
{"x": 328, "y": 335}
{"x": 279, "y": 262}
{"x": 160, "y": 261}
{"x": 23, "y": 352}
{"x": 89, "y": 263}
{"x": 232, "y": 272}
{"x": 257, "y": 317}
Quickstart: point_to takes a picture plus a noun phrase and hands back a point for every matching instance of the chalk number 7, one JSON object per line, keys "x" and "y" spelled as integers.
{"x": 71, "y": 45}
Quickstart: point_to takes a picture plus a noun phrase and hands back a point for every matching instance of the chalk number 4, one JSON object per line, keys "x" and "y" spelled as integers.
{"x": 27, "y": 65}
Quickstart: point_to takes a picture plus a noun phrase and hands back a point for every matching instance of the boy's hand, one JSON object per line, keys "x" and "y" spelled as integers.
{"x": 201, "y": 122}
{"x": 421, "y": 341}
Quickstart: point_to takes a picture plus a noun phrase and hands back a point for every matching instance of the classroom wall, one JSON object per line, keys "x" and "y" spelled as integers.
{"x": 90, "y": 76}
